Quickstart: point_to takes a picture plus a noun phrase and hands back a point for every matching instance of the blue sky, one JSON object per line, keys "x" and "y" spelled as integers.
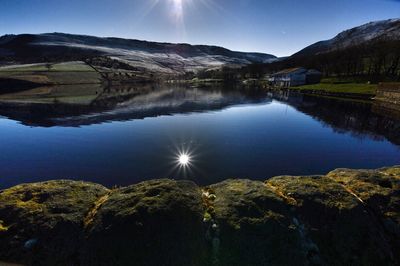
{"x": 280, "y": 27}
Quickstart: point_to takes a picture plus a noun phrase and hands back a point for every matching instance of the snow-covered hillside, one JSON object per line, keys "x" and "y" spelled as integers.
{"x": 370, "y": 32}
{"x": 158, "y": 57}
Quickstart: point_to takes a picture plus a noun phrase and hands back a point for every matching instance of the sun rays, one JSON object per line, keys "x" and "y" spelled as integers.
{"x": 183, "y": 158}
{"x": 177, "y": 11}
{"x": 177, "y": 8}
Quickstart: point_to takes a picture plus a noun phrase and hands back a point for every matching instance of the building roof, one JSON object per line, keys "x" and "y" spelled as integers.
{"x": 290, "y": 70}
{"x": 296, "y": 70}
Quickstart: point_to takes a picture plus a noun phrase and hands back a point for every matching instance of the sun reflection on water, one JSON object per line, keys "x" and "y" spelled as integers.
{"x": 184, "y": 159}
{"x": 183, "y": 162}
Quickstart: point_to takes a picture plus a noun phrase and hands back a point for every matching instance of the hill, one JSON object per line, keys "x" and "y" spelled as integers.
{"x": 371, "y": 51}
{"x": 378, "y": 31}
{"x": 155, "y": 57}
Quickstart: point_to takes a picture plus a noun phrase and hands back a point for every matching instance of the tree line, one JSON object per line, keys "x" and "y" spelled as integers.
{"x": 376, "y": 61}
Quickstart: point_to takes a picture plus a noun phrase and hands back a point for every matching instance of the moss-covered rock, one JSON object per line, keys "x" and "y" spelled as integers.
{"x": 378, "y": 189}
{"x": 336, "y": 228}
{"x": 255, "y": 226}
{"x": 41, "y": 223}
{"x": 156, "y": 222}
{"x": 348, "y": 217}
{"x": 379, "y": 193}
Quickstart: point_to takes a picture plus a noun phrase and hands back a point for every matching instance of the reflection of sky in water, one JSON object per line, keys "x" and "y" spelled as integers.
{"x": 246, "y": 141}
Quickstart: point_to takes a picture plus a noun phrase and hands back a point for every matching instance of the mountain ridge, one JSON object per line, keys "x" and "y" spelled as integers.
{"x": 153, "y": 56}
{"x": 181, "y": 58}
{"x": 369, "y": 32}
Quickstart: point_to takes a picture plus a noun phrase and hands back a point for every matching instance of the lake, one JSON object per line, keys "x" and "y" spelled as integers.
{"x": 124, "y": 135}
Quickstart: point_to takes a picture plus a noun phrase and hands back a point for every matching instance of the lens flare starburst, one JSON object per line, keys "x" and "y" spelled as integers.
{"x": 184, "y": 159}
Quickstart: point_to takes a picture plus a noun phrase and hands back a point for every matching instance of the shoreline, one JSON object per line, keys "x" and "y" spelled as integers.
{"x": 78, "y": 73}
{"x": 342, "y": 95}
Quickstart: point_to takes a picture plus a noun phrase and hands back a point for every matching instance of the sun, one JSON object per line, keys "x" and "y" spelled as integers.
{"x": 177, "y": 8}
{"x": 177, "y": 12}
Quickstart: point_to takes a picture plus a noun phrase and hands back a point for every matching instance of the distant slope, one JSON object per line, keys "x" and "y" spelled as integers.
{"x": 370, "y": 51}
{"x": 151, "y": 56}
{"x": 385, "y": 30}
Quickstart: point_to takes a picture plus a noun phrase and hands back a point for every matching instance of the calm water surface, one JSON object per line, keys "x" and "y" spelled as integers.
{"x": 122, "y": 136}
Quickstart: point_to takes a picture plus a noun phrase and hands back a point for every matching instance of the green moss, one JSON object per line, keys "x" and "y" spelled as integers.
{"x": 394, "y": 171}
{"x": 18, "y": 198}
{"x": 3, "y": 228}
{"x": 317, "y": 189}
{"x": 378, "y": 189}
{"x": 207, "y": 217}
{"x": 237, "y": 186}
{"x": 280, "y": 221}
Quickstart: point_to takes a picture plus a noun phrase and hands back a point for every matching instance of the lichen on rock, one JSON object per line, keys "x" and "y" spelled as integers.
{"x": 44, "y": 220}
{"x": 158, "y": 222}
{"x": 3, "y": 228}
{"x": 256, "y": 225}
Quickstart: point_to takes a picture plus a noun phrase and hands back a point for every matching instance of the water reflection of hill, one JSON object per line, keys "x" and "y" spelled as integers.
{"x": 84, "y": 105}
{"x": 361, "y": 119}
{"x": 73, "y": 106}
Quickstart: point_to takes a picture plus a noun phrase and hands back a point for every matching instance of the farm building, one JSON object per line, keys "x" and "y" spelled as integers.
{"x": 295, "y": 77}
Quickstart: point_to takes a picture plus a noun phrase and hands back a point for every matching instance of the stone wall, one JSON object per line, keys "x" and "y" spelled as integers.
{"x": 389, "y": 92}
{"x": 347, "y": 217}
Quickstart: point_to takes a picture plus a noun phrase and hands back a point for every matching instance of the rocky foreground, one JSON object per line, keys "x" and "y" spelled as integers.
{"x": 348, "y": 217}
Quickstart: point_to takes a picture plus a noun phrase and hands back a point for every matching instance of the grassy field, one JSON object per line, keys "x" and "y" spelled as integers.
{"x": 62, "y": 73}
{"x": 74, "y": 66}
{"x": 357, "y": 88}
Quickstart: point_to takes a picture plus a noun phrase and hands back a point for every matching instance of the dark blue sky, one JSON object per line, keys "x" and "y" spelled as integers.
{"x": 280, "y": 27}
